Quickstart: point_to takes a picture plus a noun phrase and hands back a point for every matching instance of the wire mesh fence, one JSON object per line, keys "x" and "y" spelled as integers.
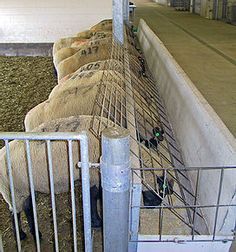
{"x": 170, "y": 194}
{"x": 211, "y": 214}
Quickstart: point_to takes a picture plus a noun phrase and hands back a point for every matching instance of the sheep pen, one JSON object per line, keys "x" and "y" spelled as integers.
{"x": 81, "y": 63}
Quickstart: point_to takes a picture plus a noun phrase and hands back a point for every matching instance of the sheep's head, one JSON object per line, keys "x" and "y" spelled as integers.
{"x": 158, "y": 133}
{"x": 165, "y": 185}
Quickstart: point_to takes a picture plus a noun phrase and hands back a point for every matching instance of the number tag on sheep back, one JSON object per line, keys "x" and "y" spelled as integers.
{"x": 75, "y": 47}
{"x": 90, "y": 54}
{"x": 86, "y": 77}
{"x": 80, "y": 37}
{"x": 74, "y": 100}
{"x": 114, "y": 65}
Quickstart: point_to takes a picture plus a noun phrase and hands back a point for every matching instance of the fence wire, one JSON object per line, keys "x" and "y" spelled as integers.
{"x": 216, "y": 207}
{"x": 129, "y": 98}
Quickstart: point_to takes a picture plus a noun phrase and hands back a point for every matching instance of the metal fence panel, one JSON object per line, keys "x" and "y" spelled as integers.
{"x": 48, "y": 138}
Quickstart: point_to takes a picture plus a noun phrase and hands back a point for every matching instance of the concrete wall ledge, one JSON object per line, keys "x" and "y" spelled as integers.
{"x": 202, "y": 136}
{"x": 26, "y": 49}
{"x": 181, "y": 244}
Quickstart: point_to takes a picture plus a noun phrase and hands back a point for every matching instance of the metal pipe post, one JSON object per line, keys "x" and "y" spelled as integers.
{"x": 115, "y": 174}
{"x": 86, "y": 192}
{"x": 118, "y": 22}
{"x": 126, "y": 11}
{"x": 1, "y": 244}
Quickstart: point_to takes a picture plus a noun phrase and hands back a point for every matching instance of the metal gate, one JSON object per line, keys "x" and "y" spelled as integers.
{"x": 49, "y": 139}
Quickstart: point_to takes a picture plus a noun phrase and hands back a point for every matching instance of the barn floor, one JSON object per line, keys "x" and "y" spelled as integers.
{"x": 24, "y": 82}
{"x": 205, "y": 49}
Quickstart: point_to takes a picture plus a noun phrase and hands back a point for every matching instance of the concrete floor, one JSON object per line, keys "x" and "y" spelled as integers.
{"x": 205, "y": 49}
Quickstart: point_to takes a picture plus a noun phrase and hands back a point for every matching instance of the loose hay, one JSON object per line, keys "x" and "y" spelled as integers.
{"x": 24, "y": 82}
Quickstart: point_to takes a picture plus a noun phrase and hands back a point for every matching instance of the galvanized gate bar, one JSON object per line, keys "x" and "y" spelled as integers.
{"x": 32, "y": 192}
{"x": 71, "y": 166}
{"x": 115, "y": 174}
{"x": 12, "y": 193}
{"x": 131, "y": 125}
{"x": 86, "y": 191}
{"x": 126, "y": 11}
{"x": 118, "y": 22}
{"x": 1, "y": 245}
{"x": 51, "y": 177}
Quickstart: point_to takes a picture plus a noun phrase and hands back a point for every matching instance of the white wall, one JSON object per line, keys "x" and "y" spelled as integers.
{"x": 47, "y": 20}
{"x": 203, "y": 138}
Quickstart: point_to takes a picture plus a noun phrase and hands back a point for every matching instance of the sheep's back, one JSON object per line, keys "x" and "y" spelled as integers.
{"x": 82, "y": 57}
{"x": 87, "y": 78}
{"x": 109, "y": 64}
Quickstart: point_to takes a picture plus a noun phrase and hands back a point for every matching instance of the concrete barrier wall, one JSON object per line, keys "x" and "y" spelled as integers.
{"x": 204, "y": 139}
{"x": 33, "y": 21}
{"x": 26, "y": 49}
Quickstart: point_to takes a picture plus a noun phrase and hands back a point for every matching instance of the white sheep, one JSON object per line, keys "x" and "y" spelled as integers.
{"x": 80, "y": 38}
{"x": 96, "y": 65}
{"x": 104, "y": 25}
{"x": 76, "y": 46}
{"x": 60, "y": 167}
{"x": 90, "y": 54}
{"x": 75, "y": 97}
{"x": 40, "y": 166}
{"x": 85, "y": 78}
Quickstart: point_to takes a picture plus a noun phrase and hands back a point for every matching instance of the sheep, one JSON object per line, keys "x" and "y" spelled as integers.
{"x": 109, "y": 64}
{"x": 92, "y": 53}
{"x": 96, "y": 65}
{"x": 67, "y": 42}
{"x": 92, "y": 41}
{"x": 63, "y": 53}
{"x": 104, "y": 25}
{"x": 164, "y": 184}
{"x": 40, "y": 166}
{"x": 60, "y": 168}
{"x": 89, "y": 54}
{"x": 77, "y": 98}
{"x": 86, "y": 78}
{"x": 76, "y": 46}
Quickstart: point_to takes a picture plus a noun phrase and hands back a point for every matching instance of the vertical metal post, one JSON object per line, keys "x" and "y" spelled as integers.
{"x": 32, "y": 192}
{"x": 86, "y": 192}
{"x": 53, "y": 202}
{"x": 13, "y": 195}
{"x": 1, "y": 244}
{"x": 115, "y": 174}
{"x": 126, "y": 11}
{"x": 72, "y": 188}
{"x": 118, "y": 22}
{"x": 131, "y": 125}
{"x": 215, "y": 9}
